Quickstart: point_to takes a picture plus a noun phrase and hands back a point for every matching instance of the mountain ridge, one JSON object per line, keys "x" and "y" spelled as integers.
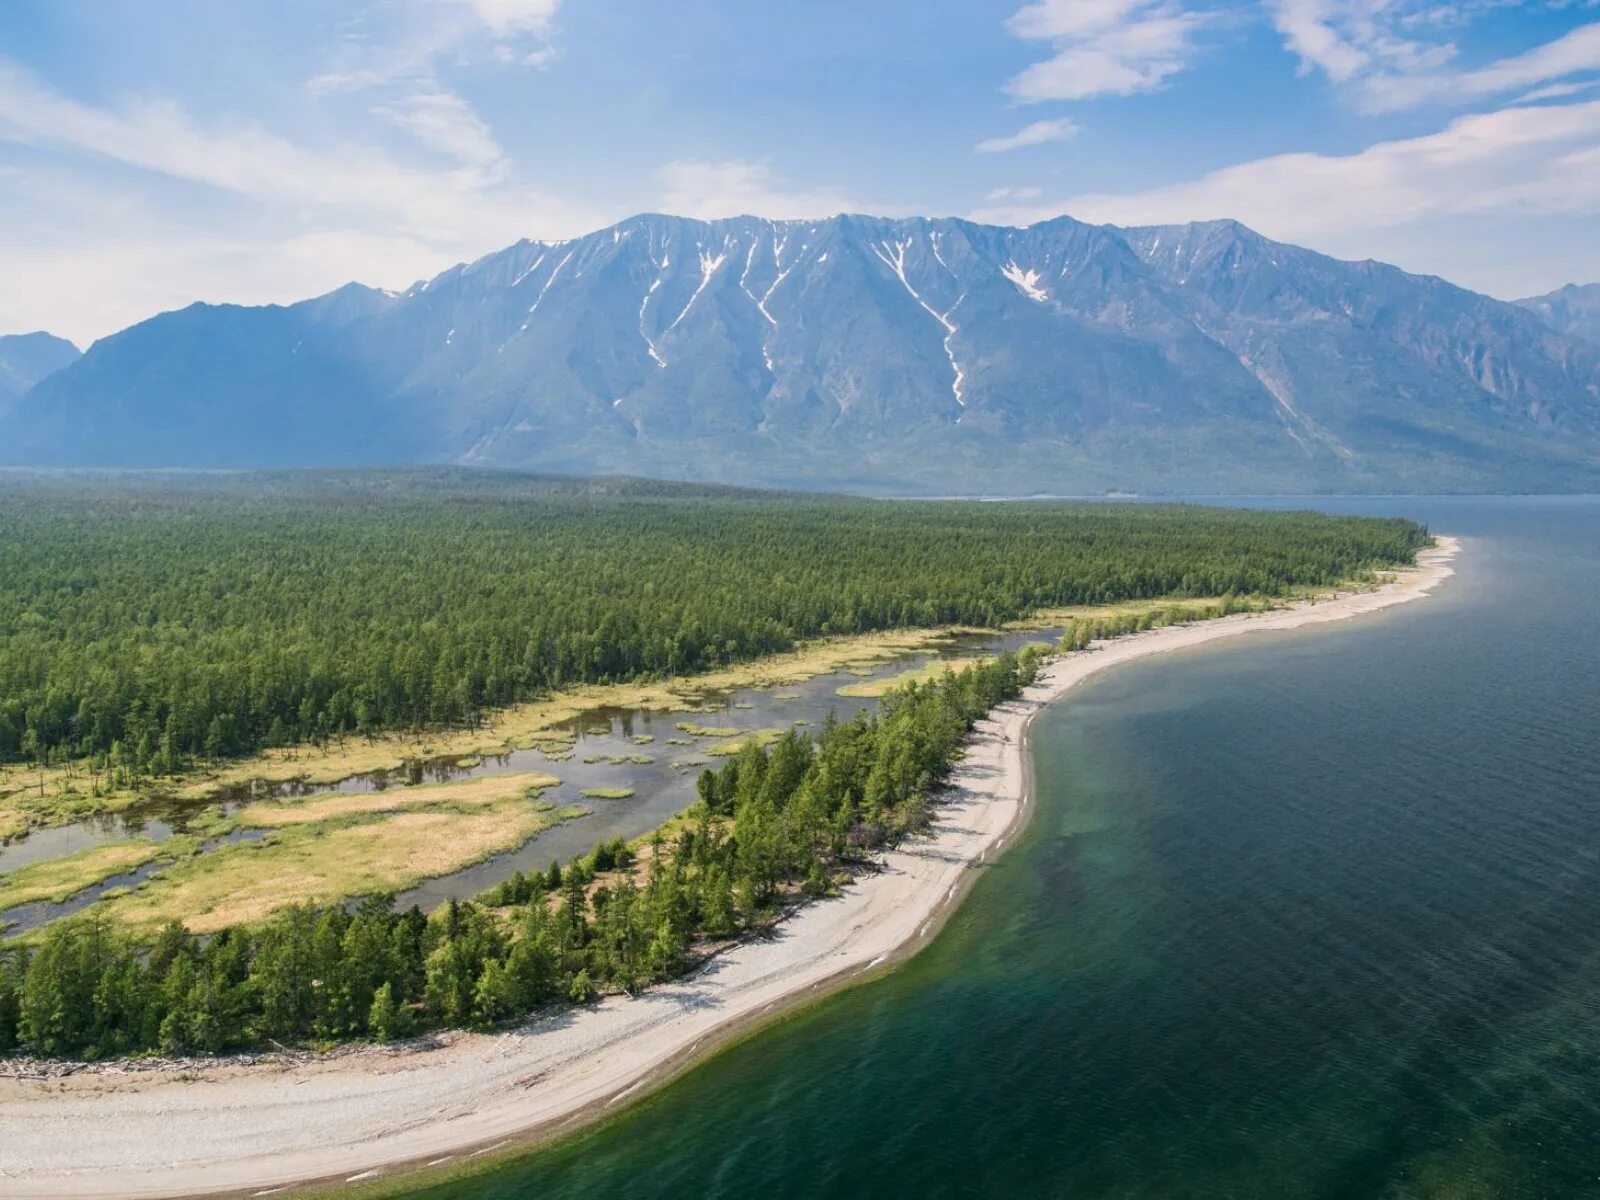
{"x": 28, "y": 358}
{"x": 1573, "y": 310}
{"x": 917, "y": 354}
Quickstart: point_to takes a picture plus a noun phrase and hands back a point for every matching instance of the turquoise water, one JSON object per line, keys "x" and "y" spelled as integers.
{"x": 1315, "y": 915}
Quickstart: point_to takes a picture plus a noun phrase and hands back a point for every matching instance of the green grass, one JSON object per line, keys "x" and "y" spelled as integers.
{"x": 611, "y": 793}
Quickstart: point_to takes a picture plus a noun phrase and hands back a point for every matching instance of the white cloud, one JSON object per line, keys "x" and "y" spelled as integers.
{"x": 515, "y": 16}
{"x": 738, "y": 187}
{"x": 1394, "y": 55}
{"x": 420, "y": 35}
{"x": 1347, "y": 38}
{"x": 1102, "y": 47}
{"x": 345, "y": 81}
{"x": 136, "y": 207}
{"x": 1516, "y": 162}
{"x": 1308, "y": 31}
{"x": 1575, "y": 52}
{"x": 162, "y": 138}
{"x": 1036, "y": 134}
{"x": 1558, "y": 91}
{"x": 84, "y": 288}
{"x": 1006, "y": 195}
{"x": 444, "y": 122}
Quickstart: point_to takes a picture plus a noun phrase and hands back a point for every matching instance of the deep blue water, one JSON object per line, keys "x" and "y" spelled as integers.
{"x": 1305, "y": 915}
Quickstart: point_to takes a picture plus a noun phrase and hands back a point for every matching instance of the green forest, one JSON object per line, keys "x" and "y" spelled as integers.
{"x": 774, "y": 825}
{"x": 149, "y": 622}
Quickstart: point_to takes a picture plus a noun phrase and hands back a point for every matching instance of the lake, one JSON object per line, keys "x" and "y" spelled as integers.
{"x": 1309, "y": 915}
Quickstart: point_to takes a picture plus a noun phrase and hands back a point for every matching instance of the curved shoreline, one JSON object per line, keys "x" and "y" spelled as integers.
{"x": 375, "y": 1114}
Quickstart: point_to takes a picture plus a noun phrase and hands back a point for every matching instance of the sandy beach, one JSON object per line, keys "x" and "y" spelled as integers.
{"x": 365, "y": 1115}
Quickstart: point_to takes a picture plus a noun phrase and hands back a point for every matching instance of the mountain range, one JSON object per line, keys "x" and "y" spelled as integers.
{"x": 916, "y": 355}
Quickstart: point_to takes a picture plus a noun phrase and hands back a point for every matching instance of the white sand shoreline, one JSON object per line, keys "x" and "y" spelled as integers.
{"x": 235, "y": 1129}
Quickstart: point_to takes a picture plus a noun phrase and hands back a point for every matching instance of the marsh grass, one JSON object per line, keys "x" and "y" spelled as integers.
{"x": 244, "y": 882}
{"x": 752, "y": 737}
{"x": 708, "y": 731}
{"x": 476, "y": 792}
{"x": 884, "y": 684}
{"x": 60, "y": 879}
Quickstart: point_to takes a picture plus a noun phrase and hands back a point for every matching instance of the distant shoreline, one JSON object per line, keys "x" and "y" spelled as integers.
{"x": 379, "y": 1115}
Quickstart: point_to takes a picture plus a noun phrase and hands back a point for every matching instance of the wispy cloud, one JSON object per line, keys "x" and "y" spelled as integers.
{"x": 1102, "y": 47}
{"x": 1013, "y": 195}
{"x": 1517, "y": 161}
{"x": 515, "y": 16}
{"x": 447, "y": 124}
{"x": 1576, "y": 52}
{"x": 1347, "y": 38}
{"x": 1039, "y": 133}
{"x": 144, "y": 206}
{"x": 1395, "y": 54}
{"x": 421, "y": 34}
{"x": 737, "y": 187}
{"x": 161, "y": 137}
{"x": 1558, "y": 91}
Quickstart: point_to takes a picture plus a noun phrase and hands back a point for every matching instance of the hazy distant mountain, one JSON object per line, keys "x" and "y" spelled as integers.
{"x": 26, "y": 358}
{"x": 935, "y": 355}
{"x": 1573, "y": 310}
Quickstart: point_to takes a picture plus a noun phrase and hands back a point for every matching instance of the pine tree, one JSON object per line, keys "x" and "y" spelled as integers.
{"x": 581, "y": 990}
{"x": 383, "y": 1019}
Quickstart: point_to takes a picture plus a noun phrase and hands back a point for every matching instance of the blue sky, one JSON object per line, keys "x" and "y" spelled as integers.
{"x": 155, "y": 152}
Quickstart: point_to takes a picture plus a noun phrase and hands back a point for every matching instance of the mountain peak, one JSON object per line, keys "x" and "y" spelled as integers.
{"x": 1572, "y": 310}
{"x": 28, "y": 358}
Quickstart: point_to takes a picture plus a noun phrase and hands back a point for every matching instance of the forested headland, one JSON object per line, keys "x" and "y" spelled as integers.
{"x": 150, "y": 622}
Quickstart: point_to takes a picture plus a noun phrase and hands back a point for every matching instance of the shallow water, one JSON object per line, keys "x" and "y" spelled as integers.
{"x": 1314, "y": 915}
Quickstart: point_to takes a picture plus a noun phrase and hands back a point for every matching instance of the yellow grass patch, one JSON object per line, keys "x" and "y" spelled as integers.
{"x": 247, "y": 881}
{"x": 885, "y": 684}
{"x": 331, "y": 806}
{"x": 1051, "y": 618}
{"x": 62, "y": 878}
{"x": 752, "y": 737}
{"x": 708, "y": 731}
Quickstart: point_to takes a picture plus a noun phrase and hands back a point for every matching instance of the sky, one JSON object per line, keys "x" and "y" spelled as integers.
{"x": 158, "y": 152}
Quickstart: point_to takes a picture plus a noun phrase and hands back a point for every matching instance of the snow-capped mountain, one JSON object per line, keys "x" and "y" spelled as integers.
{"x": 933, "y": 355}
